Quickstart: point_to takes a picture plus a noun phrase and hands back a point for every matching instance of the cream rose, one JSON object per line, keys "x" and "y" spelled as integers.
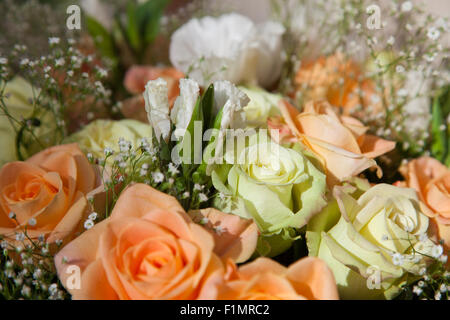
{"x": 280, "y": 188}
{"x": 371, "y": 237}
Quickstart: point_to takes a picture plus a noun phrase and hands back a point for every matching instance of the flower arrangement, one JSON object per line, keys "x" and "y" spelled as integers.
{"x": 194, "y": 153}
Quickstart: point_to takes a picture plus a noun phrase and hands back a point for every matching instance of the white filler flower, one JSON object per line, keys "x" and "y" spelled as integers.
{"x": 184, "y": 105}
{"x": 157, "y": 107}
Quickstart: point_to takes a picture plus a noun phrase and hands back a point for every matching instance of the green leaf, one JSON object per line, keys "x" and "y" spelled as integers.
{"x": 132, "y": 28}
{"x": 208, "y": 104}
{"x": 165, "y": 150}
{"x": 439, "y": 136}
{"x": 102, "y": 38}
{"x": 218, "y": 120}
{"x": 149, "y": 16}
{"x": 188, "y": 141}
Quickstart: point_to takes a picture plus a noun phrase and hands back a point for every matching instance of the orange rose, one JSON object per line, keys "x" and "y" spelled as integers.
{"x": 49, "y": 189}
{"x": 264, "y": 279}
{"x": 336, "y": 80}
{"x": 431, "y": 180}
{"x": 147, "y": 249}
{"x": 340, "y": 142}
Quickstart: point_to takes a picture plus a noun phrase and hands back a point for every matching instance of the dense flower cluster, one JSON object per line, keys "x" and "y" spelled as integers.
{"x": 199, "y": 154}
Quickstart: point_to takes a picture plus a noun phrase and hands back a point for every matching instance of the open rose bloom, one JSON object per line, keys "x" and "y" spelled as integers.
{"x": 264, "y": 279}
{"x": 431, "y": 180}
{"x": 340, "y": 142}
{"x": 149, "y": 248}
{"x": 47, "y": 193}
{"x": 224, "y": 150}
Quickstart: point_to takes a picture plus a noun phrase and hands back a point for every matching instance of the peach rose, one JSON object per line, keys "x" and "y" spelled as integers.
{"x": 49, "y": 189}
{"x": 137, "y": 77}
{"x": 431, "y": 180}
{"x": 234, "y": 237}
{"x": 148, "y": 248}
{"x": 264, "y": 279}
{"x": 336, "y": 80}
{"x": 340, "y": 142}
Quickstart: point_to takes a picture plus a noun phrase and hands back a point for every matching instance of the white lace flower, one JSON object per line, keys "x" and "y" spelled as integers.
{"x": 184, "y": 105}
{"x": 233, "y": 101}
{"x": 230, "y": 47}
{"x": 157, "y": 107}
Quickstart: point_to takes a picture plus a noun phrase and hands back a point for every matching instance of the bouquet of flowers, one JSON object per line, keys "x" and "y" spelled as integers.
{"x": 185, "y": 150}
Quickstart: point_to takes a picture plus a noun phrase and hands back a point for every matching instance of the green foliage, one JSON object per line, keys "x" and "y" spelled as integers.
{"x": 133, "y": 32}
{"x": 440, "y": 130}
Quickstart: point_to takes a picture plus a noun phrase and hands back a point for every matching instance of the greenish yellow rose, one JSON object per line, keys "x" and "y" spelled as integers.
{"x": 368, "y": 236}
{"x": 262, "y": 106}
{"x": 18, "y": 94}
{"x": 279, "y": 188}
{"x": 101, "y": 134}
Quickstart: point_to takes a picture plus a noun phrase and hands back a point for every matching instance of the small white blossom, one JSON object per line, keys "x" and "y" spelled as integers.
{"x": 59, "y": 62}
{"x": 53, "y": 288}
{"x": 102, "y": 72}
{"x": 37, "y": 273}
{"x": 108, "y": 151}
{"x": 391, "y": 41}
{"x": 158, "y": 177}
{"x": 202, "y": 197}
{"x": 53, "y": 40}
{"x": 26, "y": 291}
{"x": 417, "y": 290}
{"x": 173, "y": 169}
{"x": 437, "y": 251}
{"x": 88, "y": 224}
{"x": 397, "y": 259}
{"x": 218, "y": 230}
{"x": 93, "y": 216}
{"x": 407, "y": 6}
{"x": 437, "y": 295}
{"x": 32, "y": 222}
{"x": 24, "y": 62}
{"x": 20, "y": 236}
{"x": 433, "y": 33}
{"x": 399, "y": 69}
{"x": 3, "y": 61}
